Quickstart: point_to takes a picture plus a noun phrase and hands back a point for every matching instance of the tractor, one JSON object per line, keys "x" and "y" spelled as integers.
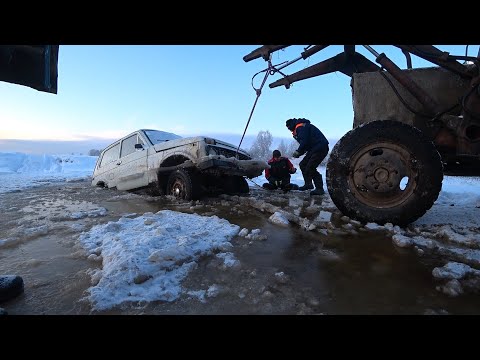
{"x": 411, "y": 126}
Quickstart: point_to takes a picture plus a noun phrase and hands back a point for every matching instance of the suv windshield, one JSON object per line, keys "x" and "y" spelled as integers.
{"x": 157, "y": 137}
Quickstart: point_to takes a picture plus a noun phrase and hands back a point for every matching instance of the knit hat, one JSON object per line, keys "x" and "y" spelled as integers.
{"x": 290, "y": 124}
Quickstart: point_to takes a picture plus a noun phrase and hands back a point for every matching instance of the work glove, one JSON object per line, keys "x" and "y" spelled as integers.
{"x": 296, "y": 154}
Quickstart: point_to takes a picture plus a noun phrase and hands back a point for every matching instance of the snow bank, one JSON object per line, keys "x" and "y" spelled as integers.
{"x": 146, "y": 258}
{"x": 19, "y": 170}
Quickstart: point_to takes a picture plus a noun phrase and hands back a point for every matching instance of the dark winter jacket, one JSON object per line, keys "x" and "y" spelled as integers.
{"x": 309, "y": 137}
{"x": 279, "y": 168}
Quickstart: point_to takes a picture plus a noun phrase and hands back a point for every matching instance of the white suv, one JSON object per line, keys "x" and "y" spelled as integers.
{"x": 169, "y": 164}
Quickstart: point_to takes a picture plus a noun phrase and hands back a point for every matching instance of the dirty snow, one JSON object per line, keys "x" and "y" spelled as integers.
{"x": 24, "y": 232}
{"x": 279, "y": 219}
{"x": 146, "y": 258}
{"x": 454, "y": 270}
{"x": 43, "y": 216}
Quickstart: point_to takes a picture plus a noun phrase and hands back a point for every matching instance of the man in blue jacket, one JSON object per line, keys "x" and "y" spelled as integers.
{"x": 314, "y": 145}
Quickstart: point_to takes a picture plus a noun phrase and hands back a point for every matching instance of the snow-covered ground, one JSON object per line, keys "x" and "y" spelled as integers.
{"x": 145, "y": 257}
{"x": 20, "y": 170}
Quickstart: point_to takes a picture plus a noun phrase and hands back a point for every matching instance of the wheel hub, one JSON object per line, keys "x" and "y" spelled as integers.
{"x": 381, "y": 174}
{"x": 376, "y": 172}
{"x": 177, "y": 189}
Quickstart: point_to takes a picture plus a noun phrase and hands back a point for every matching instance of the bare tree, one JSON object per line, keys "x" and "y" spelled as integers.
{"x": 291, "y": 148}
{"x": 282, "y": 147}
{"x": 261, "y": 147}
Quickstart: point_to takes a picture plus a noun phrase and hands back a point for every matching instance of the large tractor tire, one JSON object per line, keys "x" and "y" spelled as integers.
{"x": 384, "y": 172}
{"x": 183, "y": 185}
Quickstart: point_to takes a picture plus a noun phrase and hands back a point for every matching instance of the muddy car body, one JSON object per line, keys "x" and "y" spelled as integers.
{"x": 169, "y": 164}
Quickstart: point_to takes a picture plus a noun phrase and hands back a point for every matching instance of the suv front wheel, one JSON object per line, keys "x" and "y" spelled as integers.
{"x": 183, "y": 185}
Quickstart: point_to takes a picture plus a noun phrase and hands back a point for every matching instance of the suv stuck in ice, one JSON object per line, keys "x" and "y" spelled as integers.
{"x": 171, "y": 165}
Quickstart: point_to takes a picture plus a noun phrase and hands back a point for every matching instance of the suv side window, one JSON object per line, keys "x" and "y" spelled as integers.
{"x": 128, "y": 145}
{"x": 110, "y": 155}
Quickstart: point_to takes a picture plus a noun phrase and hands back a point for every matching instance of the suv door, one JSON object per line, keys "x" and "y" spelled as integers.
{"x": 105, "y": 171}
{"x": 132, "y": 169}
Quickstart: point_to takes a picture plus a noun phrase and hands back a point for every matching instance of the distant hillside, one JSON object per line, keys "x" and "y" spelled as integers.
{"x": 52, "y": 147}
{"x": 83, "y": 147}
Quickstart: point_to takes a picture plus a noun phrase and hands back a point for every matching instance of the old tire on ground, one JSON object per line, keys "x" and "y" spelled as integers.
{"x": 384, "y": 171}
{"x": 236, "y": 185}
{"x": 10, "y": 287}
{"x": 182, "y": 185}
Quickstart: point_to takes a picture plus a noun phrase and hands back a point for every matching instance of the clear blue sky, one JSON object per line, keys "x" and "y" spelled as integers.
{"x": 109, "y": 91}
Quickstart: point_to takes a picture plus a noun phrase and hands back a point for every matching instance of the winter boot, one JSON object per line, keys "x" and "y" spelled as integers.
{"x": 308, "y": 184}
{"x": 318, "y": 180}
{"x": 269, "y": 186}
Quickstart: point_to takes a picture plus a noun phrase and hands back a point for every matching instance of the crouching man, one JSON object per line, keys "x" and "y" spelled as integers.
{"x": 279, "y": 173}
